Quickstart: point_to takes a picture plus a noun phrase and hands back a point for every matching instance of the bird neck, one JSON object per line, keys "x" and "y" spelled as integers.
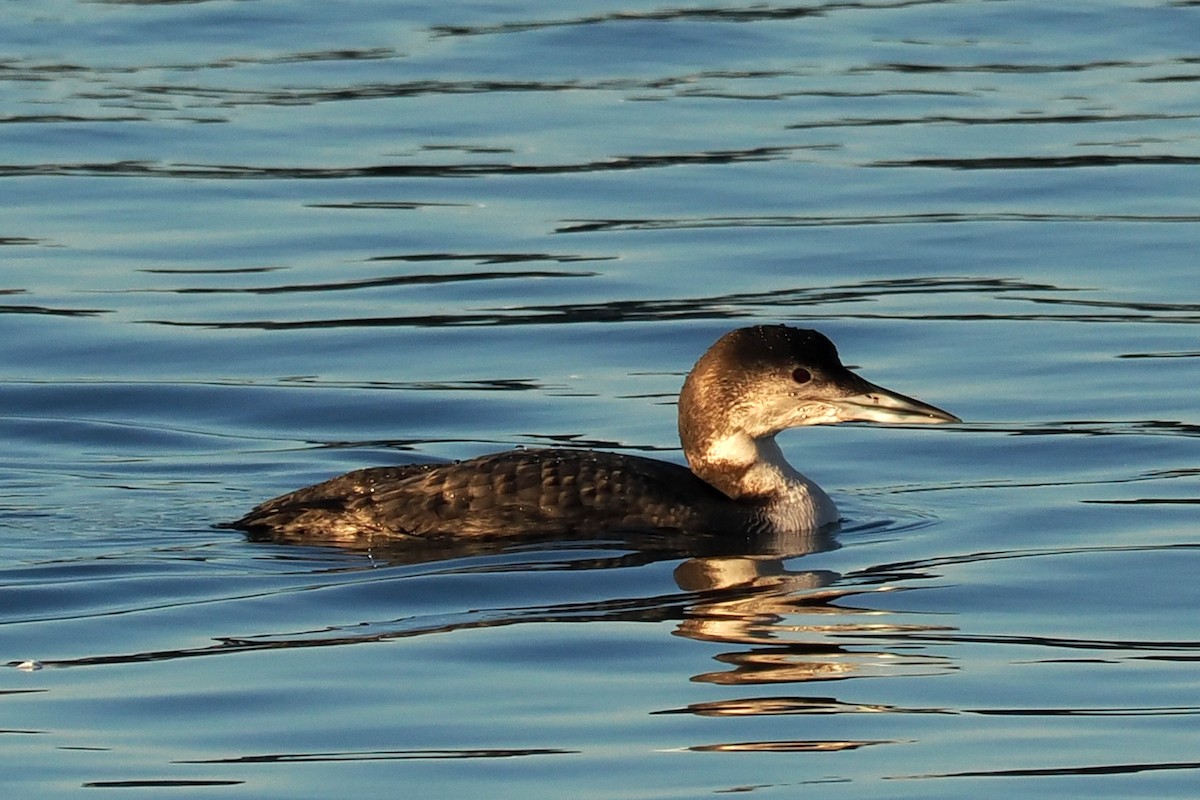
{"x": 754, "y": 470}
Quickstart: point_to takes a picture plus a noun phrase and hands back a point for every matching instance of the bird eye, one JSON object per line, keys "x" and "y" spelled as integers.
{"x": 801, "y": 375}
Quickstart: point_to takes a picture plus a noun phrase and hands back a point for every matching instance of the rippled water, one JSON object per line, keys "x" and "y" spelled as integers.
{"x": 249, "y": 245}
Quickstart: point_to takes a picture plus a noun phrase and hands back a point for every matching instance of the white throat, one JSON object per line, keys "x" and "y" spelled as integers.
{"x": 795, "y": 503}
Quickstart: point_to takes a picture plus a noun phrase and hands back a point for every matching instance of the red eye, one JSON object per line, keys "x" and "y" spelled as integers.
{"x": 801, "y": 375}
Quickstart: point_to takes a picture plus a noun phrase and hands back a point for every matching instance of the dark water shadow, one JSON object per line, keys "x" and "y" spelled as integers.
{"x": 152, "y": 2}
{"x": 1052, "y": 772}
{"x": 1021, "y": 119}
{"x": 6, "y": 308}
{"x": 827, "y": 221}
{"x": 386, "y": 205}
{"x": 752, "y": 13}
{"x": 376, "y": 283}
{"x": 1044, "y": 162}
{"x": 733, "y": 305}
{"x": 622, "y": 163}
{"x": 381, "y": 755}
{"x": 159, "y": 783}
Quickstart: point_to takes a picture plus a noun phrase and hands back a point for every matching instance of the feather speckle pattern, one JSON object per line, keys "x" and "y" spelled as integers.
{"x": 527, "y": 491}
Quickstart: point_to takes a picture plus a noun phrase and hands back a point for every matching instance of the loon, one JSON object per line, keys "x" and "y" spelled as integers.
{"x": 751, "y": 384}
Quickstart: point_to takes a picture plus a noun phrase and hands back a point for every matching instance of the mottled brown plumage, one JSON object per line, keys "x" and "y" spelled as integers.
{"x": 545, "y": 492}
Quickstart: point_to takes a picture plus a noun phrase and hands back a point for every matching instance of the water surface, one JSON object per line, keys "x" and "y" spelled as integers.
{"x": 250, "y": 245}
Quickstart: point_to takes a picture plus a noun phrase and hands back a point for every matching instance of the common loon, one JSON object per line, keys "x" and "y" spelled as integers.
{"x": 750, "y": 385}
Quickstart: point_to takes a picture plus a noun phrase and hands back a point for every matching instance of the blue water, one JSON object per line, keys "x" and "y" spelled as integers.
{"x": 250, "y": 245}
